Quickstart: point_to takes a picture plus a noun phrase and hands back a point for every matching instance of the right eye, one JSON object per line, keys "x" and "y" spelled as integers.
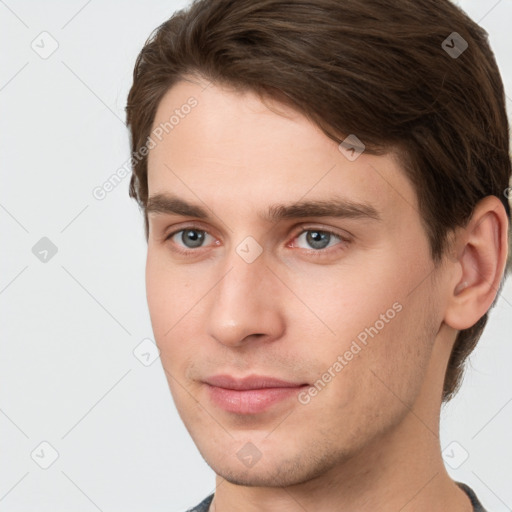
{"x": 191, "y": 237}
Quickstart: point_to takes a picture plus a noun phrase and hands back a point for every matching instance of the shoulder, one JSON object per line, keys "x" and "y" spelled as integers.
{"x": 203, "y": 506}
{"x": 477, "y": 506}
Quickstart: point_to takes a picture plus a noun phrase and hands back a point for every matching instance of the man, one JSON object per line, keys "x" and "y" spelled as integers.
{"x": 324, "y": 186}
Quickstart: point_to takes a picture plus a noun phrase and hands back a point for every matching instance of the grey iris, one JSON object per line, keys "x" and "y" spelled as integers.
{"x": 318, "y": 239}
{"x": 193, "y": 236}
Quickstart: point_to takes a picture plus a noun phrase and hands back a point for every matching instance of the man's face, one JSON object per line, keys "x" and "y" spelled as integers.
{"x": 351, "y": 316}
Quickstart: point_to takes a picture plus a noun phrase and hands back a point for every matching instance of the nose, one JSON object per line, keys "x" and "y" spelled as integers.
{"x": 245, "y": 304}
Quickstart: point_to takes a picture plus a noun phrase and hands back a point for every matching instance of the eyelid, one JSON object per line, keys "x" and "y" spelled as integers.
{"x": 189, "y": 225}
{"x": 315, "y": 227}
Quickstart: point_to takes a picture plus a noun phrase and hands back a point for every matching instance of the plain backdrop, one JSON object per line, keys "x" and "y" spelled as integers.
{"x": 85, "y": 422}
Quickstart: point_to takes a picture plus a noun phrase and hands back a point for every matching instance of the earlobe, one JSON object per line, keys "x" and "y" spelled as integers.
{"x": 482, "y": 261}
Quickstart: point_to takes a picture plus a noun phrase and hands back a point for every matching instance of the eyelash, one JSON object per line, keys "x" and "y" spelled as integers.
{"x": 315, "y": 252}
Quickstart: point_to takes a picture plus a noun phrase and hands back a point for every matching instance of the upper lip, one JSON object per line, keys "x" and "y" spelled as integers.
{"x": 249, "y": 382}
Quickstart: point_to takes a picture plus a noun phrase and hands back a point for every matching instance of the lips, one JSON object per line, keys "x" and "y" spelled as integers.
{"x": 250, "y": 382}
{"x": 249, "y": 395}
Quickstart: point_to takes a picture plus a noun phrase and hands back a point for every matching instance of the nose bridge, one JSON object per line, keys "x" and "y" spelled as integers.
{"x": 242, "y": 302}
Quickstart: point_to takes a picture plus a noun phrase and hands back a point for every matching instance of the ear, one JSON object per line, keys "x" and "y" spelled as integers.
{"x": 477, "y": 270}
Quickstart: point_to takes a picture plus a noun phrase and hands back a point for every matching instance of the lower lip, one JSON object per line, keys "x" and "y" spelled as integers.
{"x": 250, "y": 401}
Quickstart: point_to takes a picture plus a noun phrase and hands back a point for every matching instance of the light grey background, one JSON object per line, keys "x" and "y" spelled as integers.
{"x": 70, "y": 324}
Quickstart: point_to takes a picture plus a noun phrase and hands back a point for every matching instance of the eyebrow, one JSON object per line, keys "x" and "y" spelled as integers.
{"x": 335, "y": 207}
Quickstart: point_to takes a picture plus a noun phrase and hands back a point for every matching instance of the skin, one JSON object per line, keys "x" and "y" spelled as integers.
{"x": 369, "y": 440}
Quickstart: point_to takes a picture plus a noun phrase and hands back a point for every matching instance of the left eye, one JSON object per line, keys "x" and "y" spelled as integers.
{"x": 318, "y": 239}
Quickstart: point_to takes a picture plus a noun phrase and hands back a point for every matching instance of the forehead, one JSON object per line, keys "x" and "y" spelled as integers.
{"x": 241, "y": 154}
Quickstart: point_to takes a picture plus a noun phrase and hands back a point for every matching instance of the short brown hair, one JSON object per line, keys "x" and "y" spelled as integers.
{"x": 379, "y": 69}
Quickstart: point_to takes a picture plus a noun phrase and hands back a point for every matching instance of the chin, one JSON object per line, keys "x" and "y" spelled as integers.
{"x": 271, "y": 470}
{"x": 262, "y": 477}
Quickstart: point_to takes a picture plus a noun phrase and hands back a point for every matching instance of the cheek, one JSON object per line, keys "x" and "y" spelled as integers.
{"x": 378, "y": 383}
{"x": 167, "y": 296}
{"x": 368, "y": 316}
{"x": 346, "y": 302}
{"x": 392, "y": 364}
{"x": 173, "y": 295}
{"x": 168, "y": 291}
{"x": 158, "y": 294}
